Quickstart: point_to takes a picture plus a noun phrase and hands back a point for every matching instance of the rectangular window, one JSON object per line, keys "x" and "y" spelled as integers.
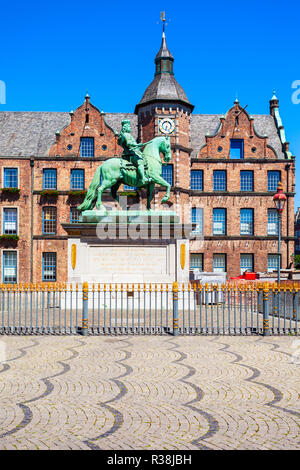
{"x": 77, "y": 179}
{"x": 236, "y": 148}
{"x": 74, "y": 215}
{"x": 87, "y": 147}
{"x": 10, "y": 226}
{"x": 49, "y": 178}
{"x": 197, "y": 218}
{"x": 246, "y": 178}
{"x": 219, "y": 263}
{"x": 167, "y": 173}
{"x": 272, "y": 222}
{"x": 272, "y": 262}
{"x": 246, "y": 222}
{"x": 246, "y": 263}
{"x": 49, "y": 267}
{"x": 10, "y": 178}
{"x": 197, "y": 180}
{"x": 220, "y": 183}
{"x": 9, "y": 266}
{"x": 219, "y": 221}
{"x": 196, "y": 261}
{"x": 49, "y": 220}
{"x": 273, "y": 180}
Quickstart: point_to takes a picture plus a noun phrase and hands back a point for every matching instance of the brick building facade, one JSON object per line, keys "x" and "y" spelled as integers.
{"x": 224, "y": 172}
{"x": 297, "y": 232}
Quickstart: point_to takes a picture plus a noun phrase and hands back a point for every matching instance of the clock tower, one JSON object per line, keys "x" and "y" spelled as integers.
{"x": 165, "y": 110}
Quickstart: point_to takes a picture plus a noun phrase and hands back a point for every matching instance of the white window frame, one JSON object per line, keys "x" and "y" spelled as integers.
{"x": 2, "y": 264}
{"x": 2, "y": 221}
{"x": 249, "y": 255}
{"x": 219, "y": 269}
{"x": 200, "y": 255}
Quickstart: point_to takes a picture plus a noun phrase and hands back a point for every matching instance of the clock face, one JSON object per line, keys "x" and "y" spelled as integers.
{"x": 167, "y": 126}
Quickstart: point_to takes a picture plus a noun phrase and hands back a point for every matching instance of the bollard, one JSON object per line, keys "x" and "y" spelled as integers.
{"x": 85, "y": 308}
{"x": 175, "y": 308}
{"x": 266, "y": 330}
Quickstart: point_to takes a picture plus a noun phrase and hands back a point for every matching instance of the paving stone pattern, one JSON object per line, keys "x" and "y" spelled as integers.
{"x": 157, "y": 392}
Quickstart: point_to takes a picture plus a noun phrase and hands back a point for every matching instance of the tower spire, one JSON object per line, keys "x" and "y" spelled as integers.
{"x": 164, "y": 87}
{"x": 164, "y": 59}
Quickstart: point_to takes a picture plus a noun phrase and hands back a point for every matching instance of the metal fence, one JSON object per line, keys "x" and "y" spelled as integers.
{"x": 191, "y": 309}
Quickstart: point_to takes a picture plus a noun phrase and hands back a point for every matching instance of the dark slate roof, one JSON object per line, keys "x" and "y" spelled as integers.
{"x": 265, "y": 124}
{"x": 29, "y": 133}
{"x": 33, "y": 133}
{"x": 164, "y": 87}
{"x": 202, "y": 124}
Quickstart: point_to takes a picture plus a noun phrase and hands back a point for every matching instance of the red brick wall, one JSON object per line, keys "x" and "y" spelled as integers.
{"x": 234, "y": 200}
{"x": 181, "y": 200}
{"x": 95, "y": 127}
{"x": 244, "y": 129}
{"x": 233, "y": 249}
{"x": 23, "y": 203}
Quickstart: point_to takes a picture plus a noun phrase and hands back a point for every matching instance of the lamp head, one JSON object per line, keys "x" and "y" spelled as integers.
{"x": 279, "y": 198}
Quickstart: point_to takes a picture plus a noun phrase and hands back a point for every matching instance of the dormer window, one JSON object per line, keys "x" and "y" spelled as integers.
{"x": 87, "y": 147}
{"x": 236, "y": 148}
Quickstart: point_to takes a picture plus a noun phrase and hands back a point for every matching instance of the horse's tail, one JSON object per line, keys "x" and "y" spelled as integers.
{"x": 92, "y": 192}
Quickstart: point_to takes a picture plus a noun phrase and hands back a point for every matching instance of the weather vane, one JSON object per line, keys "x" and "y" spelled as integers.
{"x": 163, "y": 19}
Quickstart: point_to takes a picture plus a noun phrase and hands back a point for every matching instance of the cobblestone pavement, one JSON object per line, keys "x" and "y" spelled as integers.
{"x": 135, "y": 392}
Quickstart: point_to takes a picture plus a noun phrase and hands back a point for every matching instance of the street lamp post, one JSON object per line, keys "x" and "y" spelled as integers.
{"x": 279, "y": 200}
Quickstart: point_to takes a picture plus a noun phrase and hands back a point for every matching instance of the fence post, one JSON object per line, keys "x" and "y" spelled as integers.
{"x": 275, "y": 314}
{"x": 175, "y": 308}
{"x": 266, "y": 330}
{"x": 85, "y": 308}
{"x": 259, "y": 299}
{"x": 295, "y": 307}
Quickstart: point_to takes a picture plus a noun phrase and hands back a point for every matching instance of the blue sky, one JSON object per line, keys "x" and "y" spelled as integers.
{"x": 52, "y": 53}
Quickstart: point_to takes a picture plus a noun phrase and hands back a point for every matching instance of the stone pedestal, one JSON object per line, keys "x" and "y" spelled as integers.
{"x": 128, "y": 247}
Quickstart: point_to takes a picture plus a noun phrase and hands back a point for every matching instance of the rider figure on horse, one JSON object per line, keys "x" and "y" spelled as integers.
{"x": 131, "y": 152}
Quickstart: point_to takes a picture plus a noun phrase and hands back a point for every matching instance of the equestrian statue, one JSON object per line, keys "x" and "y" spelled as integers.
{"x": 135, "y": 168}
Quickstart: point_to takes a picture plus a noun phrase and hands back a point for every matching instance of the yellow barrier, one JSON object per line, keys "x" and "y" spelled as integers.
{"x": 193, "y": 286}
